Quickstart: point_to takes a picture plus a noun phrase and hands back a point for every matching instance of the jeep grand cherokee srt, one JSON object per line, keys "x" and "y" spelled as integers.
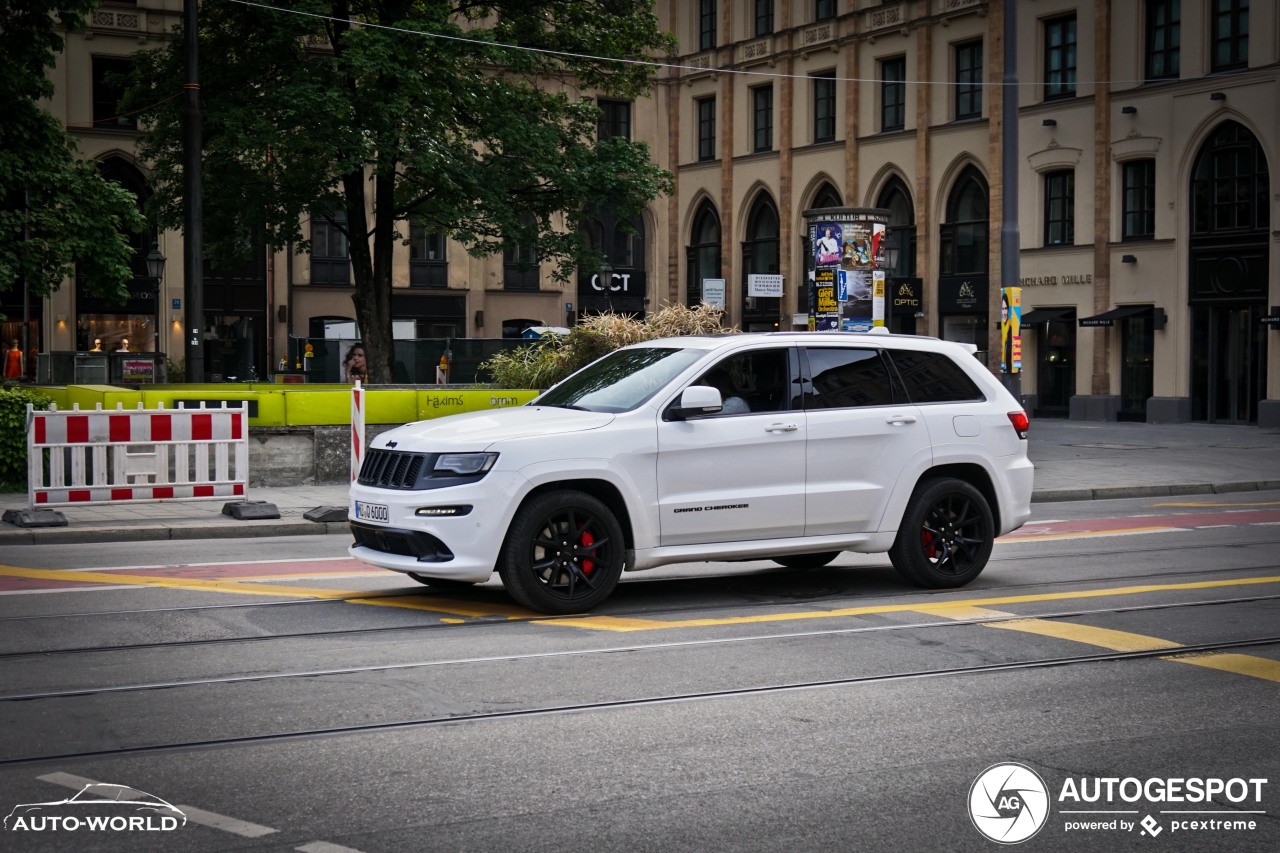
{"x": 846, "y": 442}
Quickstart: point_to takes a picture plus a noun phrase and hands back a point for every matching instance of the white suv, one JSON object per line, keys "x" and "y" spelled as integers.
{"x": 787, "y": 446}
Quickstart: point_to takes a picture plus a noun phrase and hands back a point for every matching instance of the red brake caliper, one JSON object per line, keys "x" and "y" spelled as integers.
{"x": 587, "y": 540}
{"x": 926, "y": 540}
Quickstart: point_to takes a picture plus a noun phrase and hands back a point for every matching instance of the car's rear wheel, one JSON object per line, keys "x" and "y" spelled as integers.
{"x": 564, "y": 553}
{"x": 807, "y": 561}
{"x": 442, "y": 583}
{"x": 946, "y": 535}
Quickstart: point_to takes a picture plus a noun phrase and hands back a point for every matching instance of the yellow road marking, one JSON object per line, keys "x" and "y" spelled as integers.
{"x": 178, "y": 583}
{"x": 1256, "y": 667}
{"x": 612, "y": 623}
{"x": 1120, "y": 641}
{"x": 243, "y": 587}
{"x": 1010, "y": 539}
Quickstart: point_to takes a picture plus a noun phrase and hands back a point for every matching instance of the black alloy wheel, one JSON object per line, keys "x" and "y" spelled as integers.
{"x": 946, "y": 535}
{"x": 563, "y": 554}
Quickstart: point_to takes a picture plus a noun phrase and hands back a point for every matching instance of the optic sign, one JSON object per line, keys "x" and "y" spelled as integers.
{"x": 764, "y": 285}
{"x": 614, "y": 286}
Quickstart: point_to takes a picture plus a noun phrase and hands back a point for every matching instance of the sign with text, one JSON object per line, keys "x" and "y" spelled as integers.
{"x": 764, "y": 284}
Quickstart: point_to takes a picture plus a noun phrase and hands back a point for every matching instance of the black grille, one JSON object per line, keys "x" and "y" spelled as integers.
{"x": 423, "y": 547}
{"x": 391, "y": 469}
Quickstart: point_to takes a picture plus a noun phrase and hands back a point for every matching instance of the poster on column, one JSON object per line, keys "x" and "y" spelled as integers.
{"x": 1011, "y": 330}
{"x": 863, "y": 245}
{"x": 857, "y": 310}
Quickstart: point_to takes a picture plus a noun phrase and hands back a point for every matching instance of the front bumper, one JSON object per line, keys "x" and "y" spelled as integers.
{"x": 464, "y": 547}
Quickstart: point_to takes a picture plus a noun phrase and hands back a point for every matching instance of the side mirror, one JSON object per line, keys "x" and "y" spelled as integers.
{"x": 696, "y": 400}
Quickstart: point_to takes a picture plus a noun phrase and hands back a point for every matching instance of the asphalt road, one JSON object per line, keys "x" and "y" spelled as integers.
{"x": 283, "y": 697}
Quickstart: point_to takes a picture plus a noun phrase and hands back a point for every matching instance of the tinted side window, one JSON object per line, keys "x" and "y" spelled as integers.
{"x": 845, "y": 378}
{"x": 932, "y": 377}
{"x": 758, "y": 378}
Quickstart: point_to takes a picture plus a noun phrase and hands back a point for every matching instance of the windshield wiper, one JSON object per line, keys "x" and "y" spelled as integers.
{"x": 565, "y": 406}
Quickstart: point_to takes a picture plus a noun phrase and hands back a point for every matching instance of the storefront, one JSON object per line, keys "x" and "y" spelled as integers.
{"x": 1137, "y": 325}
{"x": 1053, "y": 331}
{"x": 104, "y": 325}
{"x": 11, "y": 306}
{"x": 962, "y": 310}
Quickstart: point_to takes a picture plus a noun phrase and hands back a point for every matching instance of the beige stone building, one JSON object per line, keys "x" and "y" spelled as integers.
{"x": 1147, "y": 133}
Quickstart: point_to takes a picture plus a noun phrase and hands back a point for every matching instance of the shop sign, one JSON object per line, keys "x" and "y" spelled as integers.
{"x": 138, "y": 370}
{"x": 759, "y": 284}
{"x": 963, "y": 294}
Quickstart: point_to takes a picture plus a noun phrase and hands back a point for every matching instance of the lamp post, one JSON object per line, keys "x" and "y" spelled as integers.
{"x": 606, "y": 282}
{"x": 155, "y": 269}
{"x": 193, "y": 199}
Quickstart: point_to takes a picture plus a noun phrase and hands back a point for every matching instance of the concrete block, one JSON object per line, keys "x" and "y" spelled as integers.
{"x": 35, "y": 517}
{"x": 250, "y": 510}
{"x": 326, "y": 514}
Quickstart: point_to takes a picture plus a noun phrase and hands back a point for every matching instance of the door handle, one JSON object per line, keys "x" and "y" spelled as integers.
{"x": 899, "y": 420}
{"x": 781, "y": 428}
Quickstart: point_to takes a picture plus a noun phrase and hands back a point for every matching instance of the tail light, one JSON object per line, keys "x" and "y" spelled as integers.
{"x": 1021, "y": 423}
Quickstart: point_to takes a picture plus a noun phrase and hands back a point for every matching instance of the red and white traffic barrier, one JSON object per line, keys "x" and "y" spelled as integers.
{"x": 357, "y": 429}
{"x": 143, "y": 455}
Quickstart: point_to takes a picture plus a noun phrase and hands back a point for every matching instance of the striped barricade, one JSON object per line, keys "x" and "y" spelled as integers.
{"x": 138, "y": 455}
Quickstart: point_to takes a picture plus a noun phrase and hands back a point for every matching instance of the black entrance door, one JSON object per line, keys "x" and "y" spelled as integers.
{"x": 1137, "y": 358}
{"x": 1229, "y": 370}
{"x": 1055, "y": 366}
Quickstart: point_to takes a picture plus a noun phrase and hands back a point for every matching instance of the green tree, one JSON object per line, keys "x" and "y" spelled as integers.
{"x": 56, "y": 211}
{"x": 475, "y": 119}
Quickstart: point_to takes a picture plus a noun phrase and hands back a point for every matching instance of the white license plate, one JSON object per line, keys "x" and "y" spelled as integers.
{"x": 372, "y": 512}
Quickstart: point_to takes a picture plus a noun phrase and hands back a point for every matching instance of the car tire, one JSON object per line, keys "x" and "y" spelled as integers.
{"x": 946, "y": 535}
{"x": 442, "y": 583}
{"x": 564, "y": 553}
{"x": 807, "y": 561}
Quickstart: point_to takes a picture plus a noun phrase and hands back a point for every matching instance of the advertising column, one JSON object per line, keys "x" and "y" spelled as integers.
{"x": 847, "y": 283}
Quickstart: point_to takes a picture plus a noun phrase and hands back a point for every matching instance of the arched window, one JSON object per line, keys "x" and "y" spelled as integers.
{"x": 826, "y": 197}
{"x": 760, "y": 257}
{"x": 902, "y": 226}
{"x": 1229, "y": 183}
{"x": 964, "y": 234}
{"x": 703, "y": 252}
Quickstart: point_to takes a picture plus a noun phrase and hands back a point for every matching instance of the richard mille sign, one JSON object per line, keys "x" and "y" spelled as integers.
{"x": 1052, "y": 280}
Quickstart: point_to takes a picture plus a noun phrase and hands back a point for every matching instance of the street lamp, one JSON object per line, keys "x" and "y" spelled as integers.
{"x": 892, "y": 252}
{"x": 155, "y": 269}
{"x": 606, "y": 282}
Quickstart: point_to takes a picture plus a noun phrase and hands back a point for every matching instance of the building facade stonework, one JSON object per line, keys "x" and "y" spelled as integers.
{"x": 1146, "y": 189}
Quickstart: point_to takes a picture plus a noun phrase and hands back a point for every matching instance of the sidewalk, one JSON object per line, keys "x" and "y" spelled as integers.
{"x": 1074, "y": 461}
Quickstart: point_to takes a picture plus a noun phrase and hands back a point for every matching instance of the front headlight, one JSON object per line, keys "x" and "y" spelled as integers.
{"x": 464, "y": 464}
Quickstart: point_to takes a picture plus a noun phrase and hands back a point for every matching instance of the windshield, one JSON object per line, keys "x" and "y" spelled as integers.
{"x": 620, "y": 381}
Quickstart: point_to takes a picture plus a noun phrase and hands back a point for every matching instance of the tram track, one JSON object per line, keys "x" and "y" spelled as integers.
{"x": 638, "y": 702}
{"x": 533, "y": 618}
{"x": 583, "y": 653}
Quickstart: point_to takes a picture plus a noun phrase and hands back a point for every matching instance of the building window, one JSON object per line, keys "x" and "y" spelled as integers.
{"x": 706, "y": 24}
{"x": 824, "y": 107}
{"x": 893, "y": 94}
{"x": 1229, "y": 183}
{"x": 707, "y": 128}
{"x": 108, "y": 91}
{"x": 760, "y": 256}
{"x": 1230, "y": 30}
{"x": 969, "y": 80}
{"x": 615, "y": 120}
{"x": 330, "y": 255}
{"x": 823, "y": 9}
{"x": 762, "y": 118}
{"x": 1164, "y": 38}
{"x": 963, "y": 247}
{"x": 1139, "y": 200}
{"x": 428, "y": 261}
{"x": 764, "y": 17}
{"x": 1060, "y": 58}
{"x": 1060, "y": 208}
{"x": 703, "y": 253}
{"x": 520, "y": 260}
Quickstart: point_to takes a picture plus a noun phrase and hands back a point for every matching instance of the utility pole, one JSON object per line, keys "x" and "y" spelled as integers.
{"x": 1010, "y": 246}
{"x": 193, "y": 191}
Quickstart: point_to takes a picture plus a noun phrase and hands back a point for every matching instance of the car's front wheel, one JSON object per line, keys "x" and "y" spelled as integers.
{"x": 946, "y": 535}
{"x": 564, "y": 553}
